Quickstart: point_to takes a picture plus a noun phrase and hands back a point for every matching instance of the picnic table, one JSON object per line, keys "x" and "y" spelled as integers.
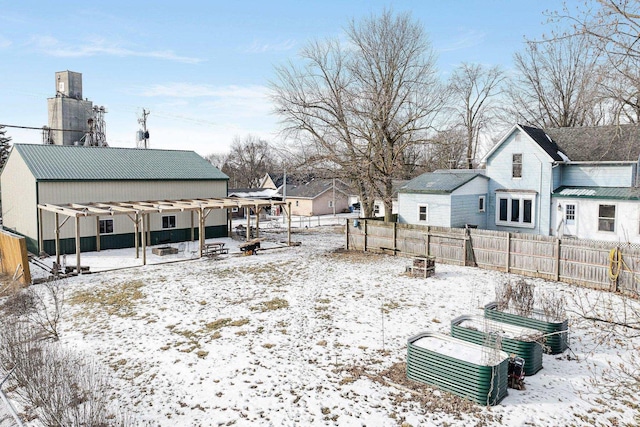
{"x": 214, "y": 248}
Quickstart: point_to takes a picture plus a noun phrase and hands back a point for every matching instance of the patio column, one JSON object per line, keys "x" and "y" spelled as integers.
{"x": 78, "y": 269}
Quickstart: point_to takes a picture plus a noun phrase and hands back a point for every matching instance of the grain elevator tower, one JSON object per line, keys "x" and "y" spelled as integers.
{"x": 72, "y": 120}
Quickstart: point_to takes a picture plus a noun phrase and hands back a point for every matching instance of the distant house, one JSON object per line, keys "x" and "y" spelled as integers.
{"x": 444, "y": 198}
{"x": 569, "y": 182}
{"x": 378, "y": 204}
{"x": 61, "y": 175}
{"x": 318, "y": 197}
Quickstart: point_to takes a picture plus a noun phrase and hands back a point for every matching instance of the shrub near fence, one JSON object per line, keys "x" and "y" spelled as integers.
{"x": 581, "y": 262}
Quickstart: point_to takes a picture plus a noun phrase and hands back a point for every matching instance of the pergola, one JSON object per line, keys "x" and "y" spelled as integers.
{"x": 138, "y": 212}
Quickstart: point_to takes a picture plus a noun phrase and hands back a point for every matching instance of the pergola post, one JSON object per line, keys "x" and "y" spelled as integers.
{"x": 57, "y": 234}
{"x": 258, "y": 209}
{"x": 136, "y": 234}
{"x": 248, "y": 211}
{"x": 289, "y": 224}
{"x": 193, "y": 234}
{"x": 97, "y": 234}
{"x": 40, "y": 228}
{"x": 78, "y": 269}
{"x": 144, "y": 239}
{"x": 201, "y": 230}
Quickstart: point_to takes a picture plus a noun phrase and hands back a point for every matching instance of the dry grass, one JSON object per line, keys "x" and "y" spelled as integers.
{"x": 274, "y": 304}
{"x": 117, "y": 300}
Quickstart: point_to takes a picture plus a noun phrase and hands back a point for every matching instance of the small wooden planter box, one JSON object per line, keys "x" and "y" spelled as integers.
{"x": 459, "y": 367}
{"x": 557, "y": 342}
{"x": 514, "y": 339}
{"x": 423, "y": 267}
{"x": 164, "y": 250}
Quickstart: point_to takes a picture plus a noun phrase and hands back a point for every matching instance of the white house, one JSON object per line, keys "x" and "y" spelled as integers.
{"x": 569, "y": 182}
{"x": 444, "y": 198}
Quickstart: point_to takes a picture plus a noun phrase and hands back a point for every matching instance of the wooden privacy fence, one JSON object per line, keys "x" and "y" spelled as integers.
{"x": 14, "y": 260}
{"x": 595, "y": 264}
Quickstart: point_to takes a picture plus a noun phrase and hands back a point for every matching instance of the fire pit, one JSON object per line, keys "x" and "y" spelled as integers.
{"x": 164, "y": 250}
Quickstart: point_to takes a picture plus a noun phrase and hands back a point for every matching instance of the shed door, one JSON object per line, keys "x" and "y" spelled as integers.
{"x": 570, "y": 219}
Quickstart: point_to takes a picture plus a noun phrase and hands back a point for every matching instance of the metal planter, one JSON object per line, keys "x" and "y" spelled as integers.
{"x": 514, "y": 339}
{"x": 557, "y": 334}
{"x": 465, "y": 369}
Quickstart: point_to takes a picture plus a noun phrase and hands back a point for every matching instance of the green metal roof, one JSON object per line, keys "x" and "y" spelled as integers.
{"x": 71, "y": 163}
{"x": 438, "y": 182}
{"x": 615, "y": 193}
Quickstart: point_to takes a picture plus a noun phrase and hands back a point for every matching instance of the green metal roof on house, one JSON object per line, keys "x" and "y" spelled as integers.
{"x": 439, "y": 182}
{"x": 72, "y": 163}
{"x": 614, "y": 193}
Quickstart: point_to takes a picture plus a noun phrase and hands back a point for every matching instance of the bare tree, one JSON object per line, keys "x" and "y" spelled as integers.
{"x": 248, "y": 161}
{"x": 613, "y": 29}
{"x": 361, "y": 105}
{"x": 557, "y": 84}
{"x": 473, "y": 88}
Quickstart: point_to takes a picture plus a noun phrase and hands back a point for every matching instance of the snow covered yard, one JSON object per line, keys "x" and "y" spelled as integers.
{"x": 312, "y": 335}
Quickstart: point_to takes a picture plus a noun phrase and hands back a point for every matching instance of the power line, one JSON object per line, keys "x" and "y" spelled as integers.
{"x": 41, "y": 128}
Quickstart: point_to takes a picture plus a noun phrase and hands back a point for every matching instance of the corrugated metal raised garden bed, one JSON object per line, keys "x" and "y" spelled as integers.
{"x": 460, "y": 367}
{"x": 556, "y": 331}
{"x": 523, "y": 342}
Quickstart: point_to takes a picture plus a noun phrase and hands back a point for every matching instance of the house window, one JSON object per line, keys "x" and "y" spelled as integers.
{"x": 423, "y": 213}
{"x": 606, "y": 218}
{"x": 481, "y": 204}
{"x": 106, "y": 226}
{"x": 296, "y": 203}
{"x": 516, "y": 166}
{"x": 376, "y": 209}
{"x": 330, "y": 203}
{"x": 515, "y": 210}
{"x": 234, "y": 210}
{"x": 169, "y": 221}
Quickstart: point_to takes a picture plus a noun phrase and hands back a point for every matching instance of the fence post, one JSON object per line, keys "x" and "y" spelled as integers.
{"x": 557, "y": 265}
{"x": 395, "y": 237}
{"x": 508, "y": 250}
{"x": 347, "y": 233}
{"x": 428, "y": 240}
{"x": 365, "y": 235}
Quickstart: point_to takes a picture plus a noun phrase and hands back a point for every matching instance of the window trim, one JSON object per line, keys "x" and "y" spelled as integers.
{"x": 169, "y": 227}
{"x": 509, "y": 199}
{"x": 105, "y": 221}
{"x": 482, "y": 203}
{"x": 600, "y": 218}
{"x": 426, "y": 212}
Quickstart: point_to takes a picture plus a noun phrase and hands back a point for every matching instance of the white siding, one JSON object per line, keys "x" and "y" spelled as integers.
{"x": 118, "y": 191}
{"x": 536, "y": 176}
{"x": 439, "y": 208}
{"x": 598, "y": 175}
{"x": 627, "y": 221}
{"x": 19, "y": 211}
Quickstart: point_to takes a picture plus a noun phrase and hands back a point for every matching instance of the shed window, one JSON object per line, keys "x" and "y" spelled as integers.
{"x": 481, "y": 204}
{"x": 423, "y": 213}
{"x": 606, "y": 218}
{"x": 516, "y": 166}
{"x": 169, "y": 221}
{"x": 106, "y": 226}
{"x": 330, "y": 203}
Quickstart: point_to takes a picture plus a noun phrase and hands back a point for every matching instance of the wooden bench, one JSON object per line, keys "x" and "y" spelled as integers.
{"x": 72, "y": 268}
{"x": 251, "y": 247}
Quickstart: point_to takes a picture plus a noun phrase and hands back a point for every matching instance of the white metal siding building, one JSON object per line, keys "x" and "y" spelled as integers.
{"x": 50, "y": 174}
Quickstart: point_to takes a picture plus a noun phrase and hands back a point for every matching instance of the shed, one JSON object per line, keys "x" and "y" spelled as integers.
{"x": 65, "y": 175}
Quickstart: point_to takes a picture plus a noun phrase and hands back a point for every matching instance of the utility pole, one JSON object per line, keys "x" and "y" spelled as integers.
{"x": 144, "y": 141}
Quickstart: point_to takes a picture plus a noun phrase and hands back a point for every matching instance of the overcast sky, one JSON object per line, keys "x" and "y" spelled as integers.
{"x": 202, "y": 68}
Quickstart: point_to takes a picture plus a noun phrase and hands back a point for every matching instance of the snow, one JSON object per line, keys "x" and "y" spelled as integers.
{"x": 301, "y": 335}
{"x": 460, "y": 350}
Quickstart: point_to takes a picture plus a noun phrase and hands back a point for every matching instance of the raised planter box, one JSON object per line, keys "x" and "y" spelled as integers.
{"x": 164, "y": 250}
{"x": 514, "y": 339}
{"x": 465, "y": 369}
{"x": 556, "y": 342}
